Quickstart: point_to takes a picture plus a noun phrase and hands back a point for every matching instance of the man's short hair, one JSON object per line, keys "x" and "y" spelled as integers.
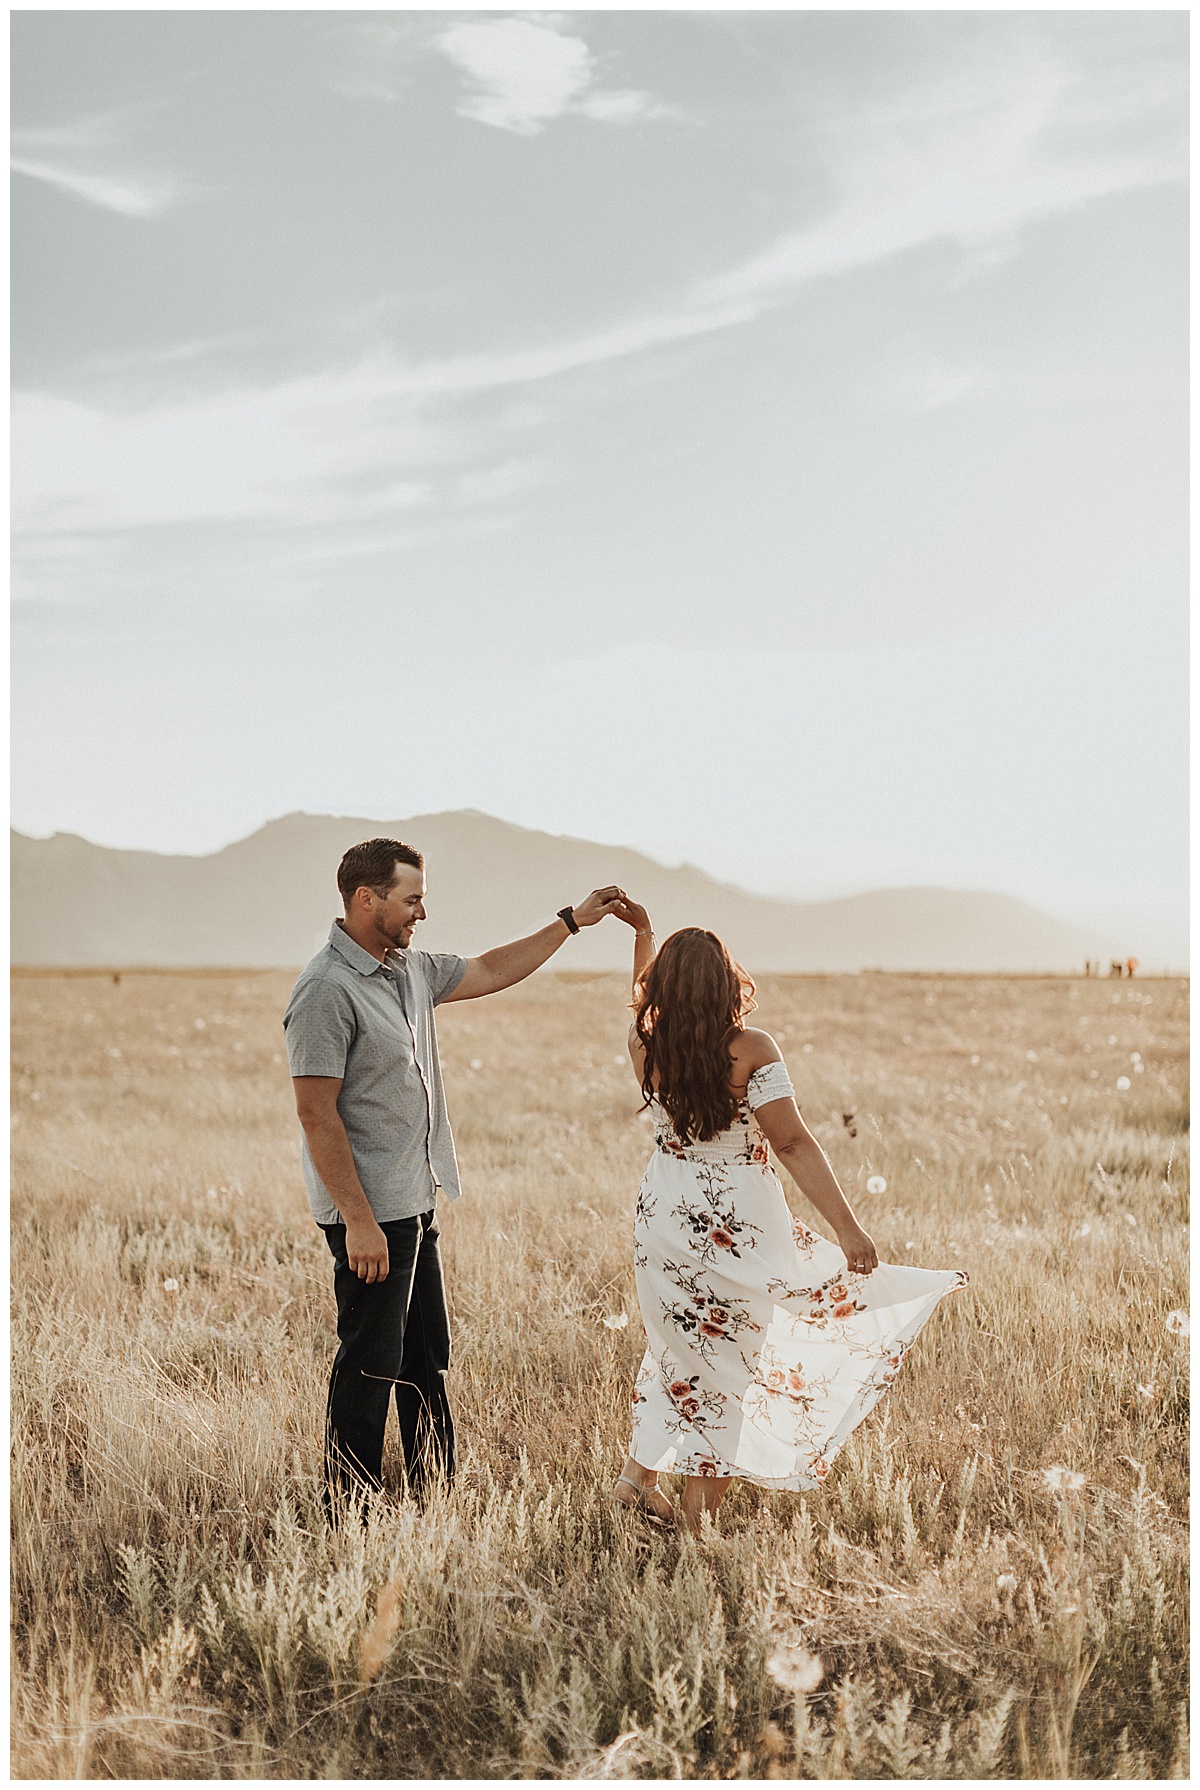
{"x": 372, "y": 865}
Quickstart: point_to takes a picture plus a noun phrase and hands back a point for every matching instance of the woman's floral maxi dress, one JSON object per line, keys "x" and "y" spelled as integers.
{"x": 763, "y": 1351}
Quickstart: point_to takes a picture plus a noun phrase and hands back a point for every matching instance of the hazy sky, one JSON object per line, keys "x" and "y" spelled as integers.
{"x": 754, "y": 437}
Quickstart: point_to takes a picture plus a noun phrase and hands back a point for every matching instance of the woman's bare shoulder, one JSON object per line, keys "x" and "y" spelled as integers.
{"x": 751, "y": 1048}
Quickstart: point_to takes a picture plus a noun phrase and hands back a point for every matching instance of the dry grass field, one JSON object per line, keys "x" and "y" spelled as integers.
{"x": 993, "y": 1579}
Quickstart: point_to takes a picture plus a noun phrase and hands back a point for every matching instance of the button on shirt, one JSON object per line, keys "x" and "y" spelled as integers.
{"x": 372, "y": 1024}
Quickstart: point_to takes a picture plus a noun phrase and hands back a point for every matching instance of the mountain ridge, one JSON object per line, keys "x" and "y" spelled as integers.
{"x": 267, "y": 900}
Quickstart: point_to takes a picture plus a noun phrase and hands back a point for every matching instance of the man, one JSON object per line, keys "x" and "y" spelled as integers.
{"x": 362, "y": 1049}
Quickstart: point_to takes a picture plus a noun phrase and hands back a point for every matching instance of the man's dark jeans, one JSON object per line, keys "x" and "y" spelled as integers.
{"x": 395, "y": 1334}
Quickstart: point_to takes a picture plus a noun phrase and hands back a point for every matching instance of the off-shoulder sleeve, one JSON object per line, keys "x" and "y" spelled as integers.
{"x": 771, "y": 1082}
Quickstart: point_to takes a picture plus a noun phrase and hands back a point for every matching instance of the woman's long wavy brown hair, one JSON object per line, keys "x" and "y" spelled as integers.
{"x": 689, "y": 1002}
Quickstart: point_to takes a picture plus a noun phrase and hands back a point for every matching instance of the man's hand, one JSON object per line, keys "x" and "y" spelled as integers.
{"x": 597, "y": 904}
{"x": 367, "y": 1250}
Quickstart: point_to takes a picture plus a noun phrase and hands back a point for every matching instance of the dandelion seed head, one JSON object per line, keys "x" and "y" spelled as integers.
{"x": 1124, "y": 1083}
{"x": 616, "y": 1320}
{"x": 170, "y": 1286}
{"x": 1178, "y": 1323}
{"x": 1063, "y": 1479}
{"x": 876, "y": 1184}
{"x": 1006, "y": 1582}
{"x": 795, "y": 1670}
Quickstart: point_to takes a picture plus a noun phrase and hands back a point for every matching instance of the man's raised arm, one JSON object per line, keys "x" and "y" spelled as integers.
{"x": 506, "y": 964}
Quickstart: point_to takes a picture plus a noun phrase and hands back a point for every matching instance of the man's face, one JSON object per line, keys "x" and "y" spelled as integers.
{"x": 396, "y": 914}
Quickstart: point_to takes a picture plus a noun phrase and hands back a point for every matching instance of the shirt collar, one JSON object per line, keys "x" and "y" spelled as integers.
{"x": 361, "y": 960}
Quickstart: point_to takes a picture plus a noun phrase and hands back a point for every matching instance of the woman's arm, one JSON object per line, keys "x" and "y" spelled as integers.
{"x": 636, "y": 916}
{"x": 809, "y": 1167}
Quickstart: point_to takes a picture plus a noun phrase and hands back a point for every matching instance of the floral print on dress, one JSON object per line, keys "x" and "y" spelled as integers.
{"x": 705, "y": 1315}
{"x": 695, "y": 1403}
{"x": 763, "y": 1351}
{"x": 832, "y": 1302}
{"x": 802, "y": 1237}
{"x": 713, "y": 1218}
{"x": 780, "y": 1388}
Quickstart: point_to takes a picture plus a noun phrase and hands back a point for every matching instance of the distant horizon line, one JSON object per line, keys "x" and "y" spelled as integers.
{"x": 35, "y": 971}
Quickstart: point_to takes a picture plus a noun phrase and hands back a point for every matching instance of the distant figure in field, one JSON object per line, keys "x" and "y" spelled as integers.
{"x": 1116, "y": 967}
{"x": 766, "y": 1345}
{"x": 362, "y": 1048}
{"x": 1131, "y": 964}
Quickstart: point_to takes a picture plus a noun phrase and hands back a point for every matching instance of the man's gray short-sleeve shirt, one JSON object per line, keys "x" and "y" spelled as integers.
{"x": 372, "y": 1024}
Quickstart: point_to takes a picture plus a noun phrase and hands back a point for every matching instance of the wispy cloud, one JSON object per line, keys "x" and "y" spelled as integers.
{"x": 330, "y": 447}
{"x": 522, "y": 74}
{"x": 968, "y": 164}
{"x": 94, "y": 131}
{"x": 340, "y": 446}
{"x": 138, "y": 196}
{"x": 90, "y": 159}
{"x": 967, "y": 167}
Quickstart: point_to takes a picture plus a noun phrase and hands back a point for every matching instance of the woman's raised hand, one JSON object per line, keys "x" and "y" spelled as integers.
{"x": 596, "y": 905}
{"x": 633, "y": 914}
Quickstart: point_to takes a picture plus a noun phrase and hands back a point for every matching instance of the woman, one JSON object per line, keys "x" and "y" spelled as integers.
{"x": 766, "y": 1344}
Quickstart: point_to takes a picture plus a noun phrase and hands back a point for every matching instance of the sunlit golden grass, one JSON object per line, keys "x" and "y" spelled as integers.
{"x": 181, "y": 1611}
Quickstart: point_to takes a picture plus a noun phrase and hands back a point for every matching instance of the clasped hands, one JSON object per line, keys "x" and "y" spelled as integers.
{"x": 611, "y": 900}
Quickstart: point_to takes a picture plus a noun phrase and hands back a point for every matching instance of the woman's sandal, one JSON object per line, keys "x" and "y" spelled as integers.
{"x": 640, "y": 1503}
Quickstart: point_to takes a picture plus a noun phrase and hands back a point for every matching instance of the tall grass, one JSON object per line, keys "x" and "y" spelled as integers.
{"x": 181, "y": 1611}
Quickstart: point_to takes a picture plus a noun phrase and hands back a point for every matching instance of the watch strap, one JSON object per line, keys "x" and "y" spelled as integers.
{"x": 568, "y": 919}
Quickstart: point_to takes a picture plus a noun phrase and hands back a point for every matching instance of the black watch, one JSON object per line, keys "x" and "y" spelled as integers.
{"x": 568, "y": 919}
